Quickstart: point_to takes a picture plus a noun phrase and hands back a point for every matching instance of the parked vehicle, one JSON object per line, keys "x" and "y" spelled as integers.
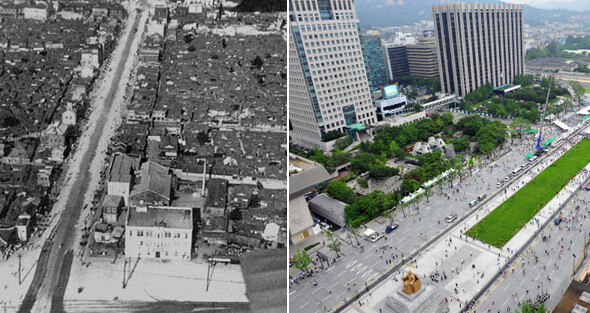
{"x": 472, "y": 203}
{"x": 391, "y": 228}
{"x": 482, "y": 196}
{"x": 558, "y": 220}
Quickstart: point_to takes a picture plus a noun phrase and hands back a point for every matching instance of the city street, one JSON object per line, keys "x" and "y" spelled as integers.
{"x": 50, "y": 279}
{"x": 356, "y": 268}
{"x": 545, "y": 266}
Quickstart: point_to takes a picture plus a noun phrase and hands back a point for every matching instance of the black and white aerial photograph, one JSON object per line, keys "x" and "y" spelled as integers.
{"x": 143, "y": 156}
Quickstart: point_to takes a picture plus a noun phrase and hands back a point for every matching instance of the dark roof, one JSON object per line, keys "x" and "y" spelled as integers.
{"x": 217, "y": 193}
{"x": 122, "y": 167}
{"x": 168, "y": 217}
{"x": 154, "y": 177}
{"x": 571, "y": 297}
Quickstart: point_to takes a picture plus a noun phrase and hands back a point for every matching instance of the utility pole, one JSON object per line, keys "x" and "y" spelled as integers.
{"x": 19, "y": 270}
{"x": 124, "y": 271}
{"x": 573, "y": 265}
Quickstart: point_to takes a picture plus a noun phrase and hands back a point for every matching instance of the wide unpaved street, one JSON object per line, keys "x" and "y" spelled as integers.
{"x": 50, "y": 279}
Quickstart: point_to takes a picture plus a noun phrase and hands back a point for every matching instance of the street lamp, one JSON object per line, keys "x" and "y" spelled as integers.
{"x": 573, "y": 264}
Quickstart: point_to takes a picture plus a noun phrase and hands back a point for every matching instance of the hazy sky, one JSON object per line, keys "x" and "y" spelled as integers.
{"x": 578, "y": 5}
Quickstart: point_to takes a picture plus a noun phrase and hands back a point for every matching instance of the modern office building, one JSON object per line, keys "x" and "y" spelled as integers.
{"x": 396, "y": 60}
{"x": 423, "y": 58}
{"x": 328, "y": 84}
{"x": 374, "y": 61}
{"x": 391, "y": 102}
{"x": 478, "y": 43}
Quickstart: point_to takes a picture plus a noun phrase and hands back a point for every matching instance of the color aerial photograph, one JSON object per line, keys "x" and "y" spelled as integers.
{"x": 439, "y": 156}
{"x": 143, "y": 156}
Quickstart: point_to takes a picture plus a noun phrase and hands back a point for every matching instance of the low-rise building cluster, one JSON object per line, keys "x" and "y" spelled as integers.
{"x": 199, "y": 163}
{"x": 50, "y": 55}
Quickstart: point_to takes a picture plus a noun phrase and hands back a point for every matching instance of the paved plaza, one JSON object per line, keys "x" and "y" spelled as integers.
{"x": 458, "y": 267}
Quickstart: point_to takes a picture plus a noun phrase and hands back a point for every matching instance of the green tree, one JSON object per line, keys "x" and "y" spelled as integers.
{"x": 447, "y": 119}
{"x": 342, "y": 143}
{"x": 369, "y": 206}
{"x": 519, "y": 124}
{"x": 331, "y": 135}
{"x": 408, "y": 186}
{"x": 461, "y": 144}
{"x": 383, "y": 172}
{"x": 528, "y": 308}
{"x": 364, "y": 162}
{"x": 523, "y": 80}
{"x": 339, "y": 190}
{"x": 334, "y": 244}
{"x": 428, "y": 193}
{"x": 301, "y": 260}
{"x": 582, "y": 69}
{"x": 470, "y": 125}
{"x": 391, "y": 215}
{"x": 579, "y": 91}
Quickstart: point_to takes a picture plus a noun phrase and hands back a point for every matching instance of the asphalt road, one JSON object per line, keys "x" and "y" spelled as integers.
{"x": 532, "y": 269}
{"x": 44, "y": 286}
{"x": 356, "y": 268}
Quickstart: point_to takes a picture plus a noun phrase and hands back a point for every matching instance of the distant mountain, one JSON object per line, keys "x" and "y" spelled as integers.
{"x": 387, "y": 13}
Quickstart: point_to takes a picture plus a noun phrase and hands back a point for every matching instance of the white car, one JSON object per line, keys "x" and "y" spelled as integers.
{"x": 451, "y": 218}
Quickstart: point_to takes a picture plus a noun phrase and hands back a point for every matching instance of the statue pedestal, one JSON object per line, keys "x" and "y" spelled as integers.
{"x": 425, "y": 300}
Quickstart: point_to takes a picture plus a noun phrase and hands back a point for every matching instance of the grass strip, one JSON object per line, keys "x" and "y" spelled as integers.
{"x": 505, "y": 221}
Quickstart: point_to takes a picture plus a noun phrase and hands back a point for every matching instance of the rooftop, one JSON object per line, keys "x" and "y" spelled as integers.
{"x": 167, "y": 217}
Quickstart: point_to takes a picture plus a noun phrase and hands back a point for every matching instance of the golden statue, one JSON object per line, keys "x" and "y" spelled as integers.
{"x": 411, "y": 283}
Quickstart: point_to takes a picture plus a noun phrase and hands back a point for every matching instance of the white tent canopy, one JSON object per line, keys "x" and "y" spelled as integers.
{"x": 412, "y": 196}
{"x": 368, "y": 233}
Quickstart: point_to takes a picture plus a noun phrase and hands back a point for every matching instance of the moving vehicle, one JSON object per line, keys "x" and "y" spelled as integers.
{"x": 588, "y": 187}
{"x": 558, "y": 220}
{"x": 472, "y": 203}
{"x": 391, "y": 228}
{"x": 451, "y": 218}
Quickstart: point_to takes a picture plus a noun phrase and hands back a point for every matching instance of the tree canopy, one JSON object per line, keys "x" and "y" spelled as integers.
{"x": 340, "y": 191}
{"x": 369, "y": 207}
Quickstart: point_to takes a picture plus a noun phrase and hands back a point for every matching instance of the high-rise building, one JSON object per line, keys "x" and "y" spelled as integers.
{"x": 477, "y": 44}
{"x": 374, "y": 62}
{"x": 423, "y": 58}
{"x": 396, "y": 60}
{"x": 328, "y": 84}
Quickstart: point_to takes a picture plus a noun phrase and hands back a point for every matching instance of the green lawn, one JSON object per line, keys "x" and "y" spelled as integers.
{"x": 587, "y": 90}
{"x": 506, "y": 220}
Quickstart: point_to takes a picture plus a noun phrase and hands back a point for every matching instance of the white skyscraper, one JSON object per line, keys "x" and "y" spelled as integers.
{"x": 328, "y": 85}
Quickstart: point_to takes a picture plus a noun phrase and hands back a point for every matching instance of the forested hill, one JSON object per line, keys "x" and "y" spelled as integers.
{"x": 387, "y": 13}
